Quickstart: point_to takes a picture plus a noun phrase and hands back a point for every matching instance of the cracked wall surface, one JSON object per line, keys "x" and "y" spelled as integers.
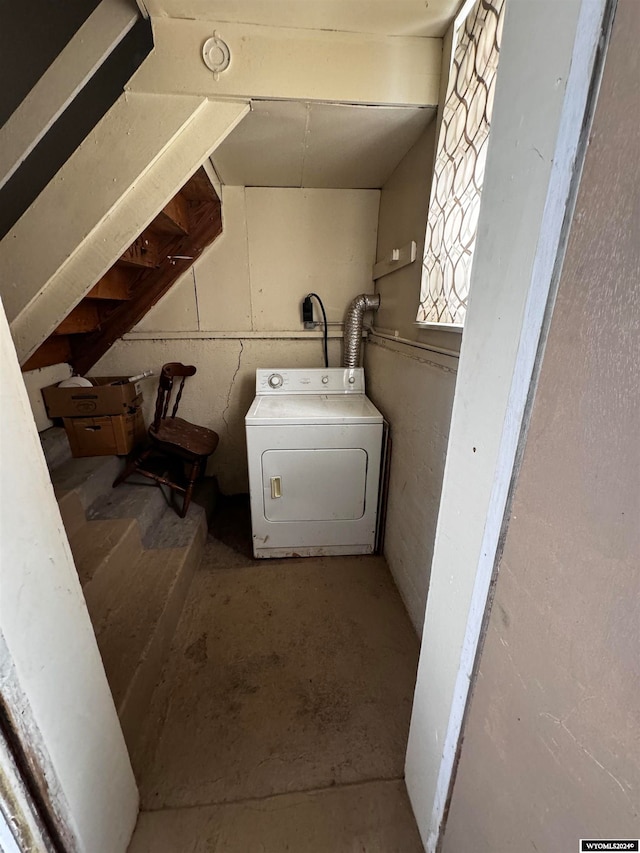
{"x": 551, "y": 751}
{"x": 240, "y": 308}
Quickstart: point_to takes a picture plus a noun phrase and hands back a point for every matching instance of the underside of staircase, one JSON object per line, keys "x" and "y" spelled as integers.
{"x": 155, "y": 260}
{"x": 135, "y": 560}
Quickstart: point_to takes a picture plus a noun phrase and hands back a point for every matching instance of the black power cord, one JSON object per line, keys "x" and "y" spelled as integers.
{"x": 324, "y": 319}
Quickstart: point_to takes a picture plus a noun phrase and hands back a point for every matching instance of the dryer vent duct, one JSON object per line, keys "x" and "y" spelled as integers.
{"x": 353, "y": 326}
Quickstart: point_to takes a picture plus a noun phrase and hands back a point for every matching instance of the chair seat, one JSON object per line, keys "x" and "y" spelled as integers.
{"x": 177, "y": 452}
{"x": 185, "y": 436}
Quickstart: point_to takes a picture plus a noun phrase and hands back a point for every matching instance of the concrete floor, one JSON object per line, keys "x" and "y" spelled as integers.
{"x": 282, "y": 716}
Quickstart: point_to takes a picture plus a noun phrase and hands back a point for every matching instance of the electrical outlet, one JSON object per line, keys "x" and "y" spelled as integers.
{"x": 307, "y": 313}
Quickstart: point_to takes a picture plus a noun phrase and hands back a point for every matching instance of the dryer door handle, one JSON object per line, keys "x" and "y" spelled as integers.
{"x": 276, "y": 487}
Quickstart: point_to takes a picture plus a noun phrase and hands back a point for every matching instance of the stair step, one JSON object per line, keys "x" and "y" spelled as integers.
{"x": 89, "y": 477}
{"x": 83, "y": 318}
{"x": 55, "y": 350}
{"x": 114, "y": 284}
{"x": 171, "y": 531}
{"x": 135, "y": 559}
{"x": 55, "y": 446}
{"x": 72, "y": 511}
{"x": 137, "y": 634}
{"x": 174, "y": 217}
{"x": 102, "y": 550}
{"x": 144, "y": 501}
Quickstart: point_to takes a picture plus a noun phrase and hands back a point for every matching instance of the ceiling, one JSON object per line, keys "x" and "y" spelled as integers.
{"x": 313, "y": 144}
{"x": 384, "y": 17}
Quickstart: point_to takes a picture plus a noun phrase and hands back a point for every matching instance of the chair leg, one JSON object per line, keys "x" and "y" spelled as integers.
{"x": 130, "y": 468}
{"x": 193, "y": 476}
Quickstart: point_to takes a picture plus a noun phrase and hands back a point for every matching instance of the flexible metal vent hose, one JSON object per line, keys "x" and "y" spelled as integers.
{"x": 353, "y": 326}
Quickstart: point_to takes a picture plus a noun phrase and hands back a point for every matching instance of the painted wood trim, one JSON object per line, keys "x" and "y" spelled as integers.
{"x": 70, "y": 736}
{"x": 511, "y": 282}
{"x": 66, "y": 76}
{"x": 240, "y": 335}
{"x": 398, "y": 258}
{"x": 412, "y": 349}
{"x": 275, "y": 62}
{"x": 355, "y": 16}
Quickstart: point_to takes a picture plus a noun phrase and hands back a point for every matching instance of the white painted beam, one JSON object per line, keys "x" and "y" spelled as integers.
{"x": 537, "y": 122}
{"x": 132, "y": 163}
{"x": 129, "y": 138}
{"x": 386, "y": 17}
{"x": 276, "y": 62}
{"x": 73, "y": 67}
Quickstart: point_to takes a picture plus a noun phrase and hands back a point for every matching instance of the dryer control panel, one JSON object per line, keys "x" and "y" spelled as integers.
{"x": 313, "y": 380}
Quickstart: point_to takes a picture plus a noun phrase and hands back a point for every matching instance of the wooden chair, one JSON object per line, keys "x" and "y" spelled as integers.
{"x": 174, "y": 444}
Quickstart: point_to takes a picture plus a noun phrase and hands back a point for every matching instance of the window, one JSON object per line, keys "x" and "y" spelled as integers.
{"x": 459, "y": 167}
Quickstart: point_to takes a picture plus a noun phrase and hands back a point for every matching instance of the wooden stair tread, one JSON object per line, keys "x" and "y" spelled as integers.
{"x": 114, "y": 284}
{"x": 83, "y": 318}
{"x": 174, "y": 217}
{"x": 145, "y": 251}
{"x": 140, "y": 277}
{"x": 55, "y": 350}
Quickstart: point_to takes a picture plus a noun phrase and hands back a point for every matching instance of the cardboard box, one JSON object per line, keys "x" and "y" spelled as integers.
{"x": 111, "y": 435}
{"x": 102, "y": 399}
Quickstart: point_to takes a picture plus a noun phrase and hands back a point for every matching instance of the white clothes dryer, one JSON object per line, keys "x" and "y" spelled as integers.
{"x": 314, "y": 443}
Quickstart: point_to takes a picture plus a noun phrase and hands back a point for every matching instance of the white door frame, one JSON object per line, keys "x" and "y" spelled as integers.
{"x": 55, "y": 697}
{"x": 542, "y": 102}
{"x": 21, "y": 825}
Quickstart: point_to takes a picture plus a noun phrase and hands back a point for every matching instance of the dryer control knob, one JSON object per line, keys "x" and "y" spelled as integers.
{"x": 325, "y": 380}
{"x": 275, "y": 380}
{"x": 352, "y": 380}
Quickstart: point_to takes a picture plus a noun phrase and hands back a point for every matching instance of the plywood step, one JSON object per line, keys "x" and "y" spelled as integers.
{"x": 55, "y": 350}
{"x": 174, "y": 218}
{"x": 114, "y": 284}
{"x": 145, "y": 251}
{"x": 83, "y": 318}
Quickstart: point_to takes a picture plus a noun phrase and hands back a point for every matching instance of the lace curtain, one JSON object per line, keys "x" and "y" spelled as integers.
{"x": 459, "y": 167}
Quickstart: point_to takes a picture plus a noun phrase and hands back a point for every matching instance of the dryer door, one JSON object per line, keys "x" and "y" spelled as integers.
{"x": 314, "y": 485}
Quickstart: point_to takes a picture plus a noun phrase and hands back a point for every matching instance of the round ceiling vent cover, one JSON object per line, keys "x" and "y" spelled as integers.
{"x": 216, "y": 54}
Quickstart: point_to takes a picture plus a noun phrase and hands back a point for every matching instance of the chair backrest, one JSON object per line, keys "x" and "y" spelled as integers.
{"x": 169, "y": 372}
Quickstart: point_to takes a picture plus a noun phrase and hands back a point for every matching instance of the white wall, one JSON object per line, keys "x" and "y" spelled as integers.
{"x": 34, "y": 381}
{"x": 414, "y": 389}
{"x": 404, "y": 203}
{"x": 239, "y": 308}
{"x": 276, "y": 246}
{"x": 410, "y": 384}
{"x": 50, "y": 666}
